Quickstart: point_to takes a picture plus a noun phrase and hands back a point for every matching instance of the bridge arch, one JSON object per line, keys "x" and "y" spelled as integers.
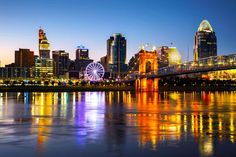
{"x": 147, "y": 63}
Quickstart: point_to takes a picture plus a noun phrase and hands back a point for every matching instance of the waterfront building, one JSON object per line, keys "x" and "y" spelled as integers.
{"x": 168, "y": 56}
{"x": 73, "y": 73}
{"x": 77, "y": 67}
{"x": 15, "y": 73}
{"x": 24, "y": 58}
{"x": 104, "y": 62}
{"x": 174, "y": 56}
{"x": 43, "y": 67}
{"x": 205, "y": 43}
{"x": 82, "y": 53}
{"x": 81, "y": 64}
{"x": 163, "y": 57}
{"x": 60, "y": 63}
{"x": 44, "y": 46}
{"x": 133, "y": 63}
{"x": 116, "y": 56}
{"x": 82, "y": 59}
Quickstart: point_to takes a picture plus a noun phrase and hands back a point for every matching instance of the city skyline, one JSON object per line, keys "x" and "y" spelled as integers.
{"x": 162, "y": 24}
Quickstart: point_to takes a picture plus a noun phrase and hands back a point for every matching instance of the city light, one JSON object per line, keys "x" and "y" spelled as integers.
{"x": 117, "y": 78}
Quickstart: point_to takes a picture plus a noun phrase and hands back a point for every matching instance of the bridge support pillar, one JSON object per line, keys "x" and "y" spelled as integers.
{"x": 146, "y": 85}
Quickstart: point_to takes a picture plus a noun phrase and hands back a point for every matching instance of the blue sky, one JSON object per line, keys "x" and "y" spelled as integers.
{"x": 69, "y": 23}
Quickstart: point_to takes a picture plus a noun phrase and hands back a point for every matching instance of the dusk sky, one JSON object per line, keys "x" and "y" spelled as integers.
{"x": 70, "y": 23}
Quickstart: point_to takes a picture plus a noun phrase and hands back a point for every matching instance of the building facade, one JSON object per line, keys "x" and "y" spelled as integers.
{"x": 116, "y": 56}
{"x": 60, "y": 62}
{"x": 82, "y": 53}
{"x": 43, "y": 67}
{"x": 104, "y": 62}
{"x": 81, "y": 62}
{"x": 174, "y": 56}
{"x": 163, "y": 59}
{"x": 44, "y": 46}
{"x": 205, "y": 44}
{"x": 24, "y": 58}
{"x": 15, "y": 73}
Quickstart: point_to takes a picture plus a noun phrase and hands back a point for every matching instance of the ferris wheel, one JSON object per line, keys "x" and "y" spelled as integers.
{"x": 94, "y": 71}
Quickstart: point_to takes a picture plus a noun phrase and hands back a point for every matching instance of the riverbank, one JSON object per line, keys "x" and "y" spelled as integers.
{"x": 109, "y": 88}
{"x": 63, "y": 88}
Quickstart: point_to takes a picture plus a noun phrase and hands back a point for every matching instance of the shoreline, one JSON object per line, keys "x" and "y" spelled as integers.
{"x": 62, "y": 88}
{"x": 109, "y": 88}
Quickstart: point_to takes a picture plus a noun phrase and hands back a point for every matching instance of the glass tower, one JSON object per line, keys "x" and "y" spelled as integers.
{"x": 116, "y": 55}
{"x": 205, "y": 41}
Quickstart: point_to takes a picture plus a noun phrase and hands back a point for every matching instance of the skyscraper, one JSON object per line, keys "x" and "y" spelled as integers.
{"x": 43, "y": 67}
{"x": 82, "y": 53}
{"x": 61, "y": 62}
{"x": 44, "y": 51}
{"x": 24, "y": 58}
{"x": 163, "y": 60}
{"x": 82, "y": 59}
{"x": 116, "y": 56}
{"x": 205, "y": 44}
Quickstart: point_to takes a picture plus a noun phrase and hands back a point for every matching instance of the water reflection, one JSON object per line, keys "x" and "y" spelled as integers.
{"x": 117, "y": 120}
{"x": 207, "y": 117}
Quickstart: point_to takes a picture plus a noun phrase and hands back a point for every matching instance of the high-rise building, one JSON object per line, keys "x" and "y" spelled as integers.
{"x": 116, "y": 56}
{"x": 174, "y": 56}
{"x": 168, "y": 56}
{"x": 82, "y": 53}
{"x": 104, "y": 62}
{"x": 43, "y": 67}
{"x": 61, "y": 62}
{"x": 205, "y": 44}
{"x": 44, "y": 46}
{"x": 163, "y": 59}
{"x": 24, "y": 58}
{"x": 82, "y": 61}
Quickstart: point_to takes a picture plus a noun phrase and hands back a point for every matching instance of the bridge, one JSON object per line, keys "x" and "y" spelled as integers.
{"x": 145, "y": 71}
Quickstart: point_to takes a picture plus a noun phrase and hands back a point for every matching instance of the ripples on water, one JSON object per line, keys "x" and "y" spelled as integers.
{"x": 118, "y": 124}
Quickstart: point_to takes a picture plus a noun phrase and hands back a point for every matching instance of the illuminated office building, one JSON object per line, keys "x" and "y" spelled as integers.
{"x": 163, "y": 59}
{"x": 82, "y": 59}
{"x": 116, "y": 56}
{"x": 15, "y": 72}
{"x": 43, "y": 67}
{"x": 44, "y": 46}
{"x": 174, "y": 56}
{"x": 82, "y": 53}
{"x": 61, "y": 62}
{"x": 205, "y": 44}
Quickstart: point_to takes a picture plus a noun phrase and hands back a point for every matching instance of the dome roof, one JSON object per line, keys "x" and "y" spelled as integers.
{"x": 205, "y": 26}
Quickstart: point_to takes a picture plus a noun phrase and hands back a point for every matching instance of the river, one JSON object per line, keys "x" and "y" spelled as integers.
{"x": 118, "y": 124}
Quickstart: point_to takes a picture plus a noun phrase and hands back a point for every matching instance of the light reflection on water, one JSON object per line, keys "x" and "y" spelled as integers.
{"x": 118, "y": 123}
